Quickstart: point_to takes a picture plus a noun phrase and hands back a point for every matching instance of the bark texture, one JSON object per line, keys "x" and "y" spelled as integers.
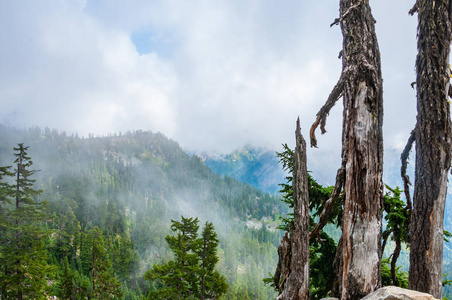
{"x": 297, "y": 285}
{"x": 433, "y": 145}
{"x": 360, "y": 175}
{"x": 284, "y": 263}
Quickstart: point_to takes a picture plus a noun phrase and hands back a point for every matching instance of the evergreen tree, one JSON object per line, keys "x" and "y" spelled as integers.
{"x": 103, "y": 282}
{"x": 397, "y": 216}
{"x": 322, "y": 249}
{"x": 66, "y": 283}
{"x": 211, "y": 282}
{"x": 192, "y": 274}
{"x": 6, "y": 190}
{"x": 24, "y": 254}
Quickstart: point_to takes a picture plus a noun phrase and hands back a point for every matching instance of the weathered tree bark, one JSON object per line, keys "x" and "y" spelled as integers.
{"x": 284, "y": 263}
{"x": 297, "y": 285}
{"x": 433, "y": 145}
{"x": 360, "y": 86}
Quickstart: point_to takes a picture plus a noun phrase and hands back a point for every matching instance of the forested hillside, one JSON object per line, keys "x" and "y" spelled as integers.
{"x": 233, "y": 163}
{"x": 117, "y": 195}
{"x": 258, "y": 167}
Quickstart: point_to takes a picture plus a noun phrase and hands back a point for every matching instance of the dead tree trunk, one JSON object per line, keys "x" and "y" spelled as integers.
{"x": 360, "y": 176}
{"x": 297, "y": 285}
{"x": 433, "y": 145}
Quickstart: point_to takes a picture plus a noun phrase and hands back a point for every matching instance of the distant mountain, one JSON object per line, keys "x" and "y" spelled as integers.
{"x": 136, "y": 183}
{"x": 258, "y": 167}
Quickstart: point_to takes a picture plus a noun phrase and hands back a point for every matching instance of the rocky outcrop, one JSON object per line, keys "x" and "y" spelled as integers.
{"x": 394, "y": 293}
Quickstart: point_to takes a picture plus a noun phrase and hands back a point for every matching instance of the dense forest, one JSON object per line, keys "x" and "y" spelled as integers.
{"x": 108, "y": 205}
{"x": 115, "y": 198}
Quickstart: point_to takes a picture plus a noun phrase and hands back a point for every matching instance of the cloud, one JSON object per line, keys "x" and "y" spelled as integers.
{"x": 66, "y": 69}
{"x": 215, "y": 76}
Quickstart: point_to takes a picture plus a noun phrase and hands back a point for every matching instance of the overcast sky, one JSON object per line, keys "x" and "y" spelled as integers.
{"x": 211, "y": 74}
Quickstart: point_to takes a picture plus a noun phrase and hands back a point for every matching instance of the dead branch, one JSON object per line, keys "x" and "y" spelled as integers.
{"x": 329, "y": 204}
{"x": 338, "y": 20}
{"x": 335, "y": 94}
{"x": 404, "y": 158}
{"x": 413, "y": 10}
{"x": 386, "y": 235}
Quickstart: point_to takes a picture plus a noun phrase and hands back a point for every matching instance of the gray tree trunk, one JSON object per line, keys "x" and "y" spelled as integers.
{"x": 360, "y": 176}
{"x": 297, "y": 285}
{"x": 433, "y": 145}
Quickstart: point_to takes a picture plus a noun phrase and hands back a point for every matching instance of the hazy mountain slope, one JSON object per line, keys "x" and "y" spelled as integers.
{"x": 258, "y": 167}
{"x": 138, "y": 181}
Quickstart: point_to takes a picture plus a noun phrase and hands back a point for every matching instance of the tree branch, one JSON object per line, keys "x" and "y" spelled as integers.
{"x": 404, "y": 158}
{"x": 338, "y": 20}
{"x": 335, "y": 94}
{"x": 329, "y": 204}
{"x": 386, "y": 235}
{"x": 413, "y": 10}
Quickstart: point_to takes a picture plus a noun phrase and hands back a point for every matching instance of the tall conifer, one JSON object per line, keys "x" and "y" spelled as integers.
{"x": 23, "y": 240}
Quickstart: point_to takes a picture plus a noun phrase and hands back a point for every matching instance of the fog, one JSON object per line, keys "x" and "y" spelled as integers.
{"x": 213, "y": 77}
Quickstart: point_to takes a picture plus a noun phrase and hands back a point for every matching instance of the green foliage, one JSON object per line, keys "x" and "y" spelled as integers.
{"x": 104, "y": 283}
{"x": 130, "y": 186}
{"x": 386, "y": 277}
{"x": 23, "y": 259}
{"x": 397, "y": 216}
{"x": 323, "y": 248}
{"x": 192, "y": 274}
{"x": 65, "y": 285}
{"x": 318, "y": 194}
{"x": 322, "y": 253}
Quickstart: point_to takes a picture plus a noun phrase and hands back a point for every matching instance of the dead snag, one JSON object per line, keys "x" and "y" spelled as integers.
{"x": 433, "y": 145}
{"x": 360, "y": 86}
{"x": 297, "y": 284}
{"x": 284, "y": 263}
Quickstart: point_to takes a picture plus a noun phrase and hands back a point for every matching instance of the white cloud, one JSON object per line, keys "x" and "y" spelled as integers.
{"x": 235, "y": 72}
{"x": 78, "y": 75}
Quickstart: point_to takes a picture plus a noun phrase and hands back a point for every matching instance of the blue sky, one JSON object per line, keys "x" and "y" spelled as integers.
{"x": 212, "y": 75}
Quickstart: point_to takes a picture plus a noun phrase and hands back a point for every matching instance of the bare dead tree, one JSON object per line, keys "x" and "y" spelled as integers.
{"x": 296, "y": 287}
{"x": 432, "y": 136}
{"x": 360, "y": 174}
